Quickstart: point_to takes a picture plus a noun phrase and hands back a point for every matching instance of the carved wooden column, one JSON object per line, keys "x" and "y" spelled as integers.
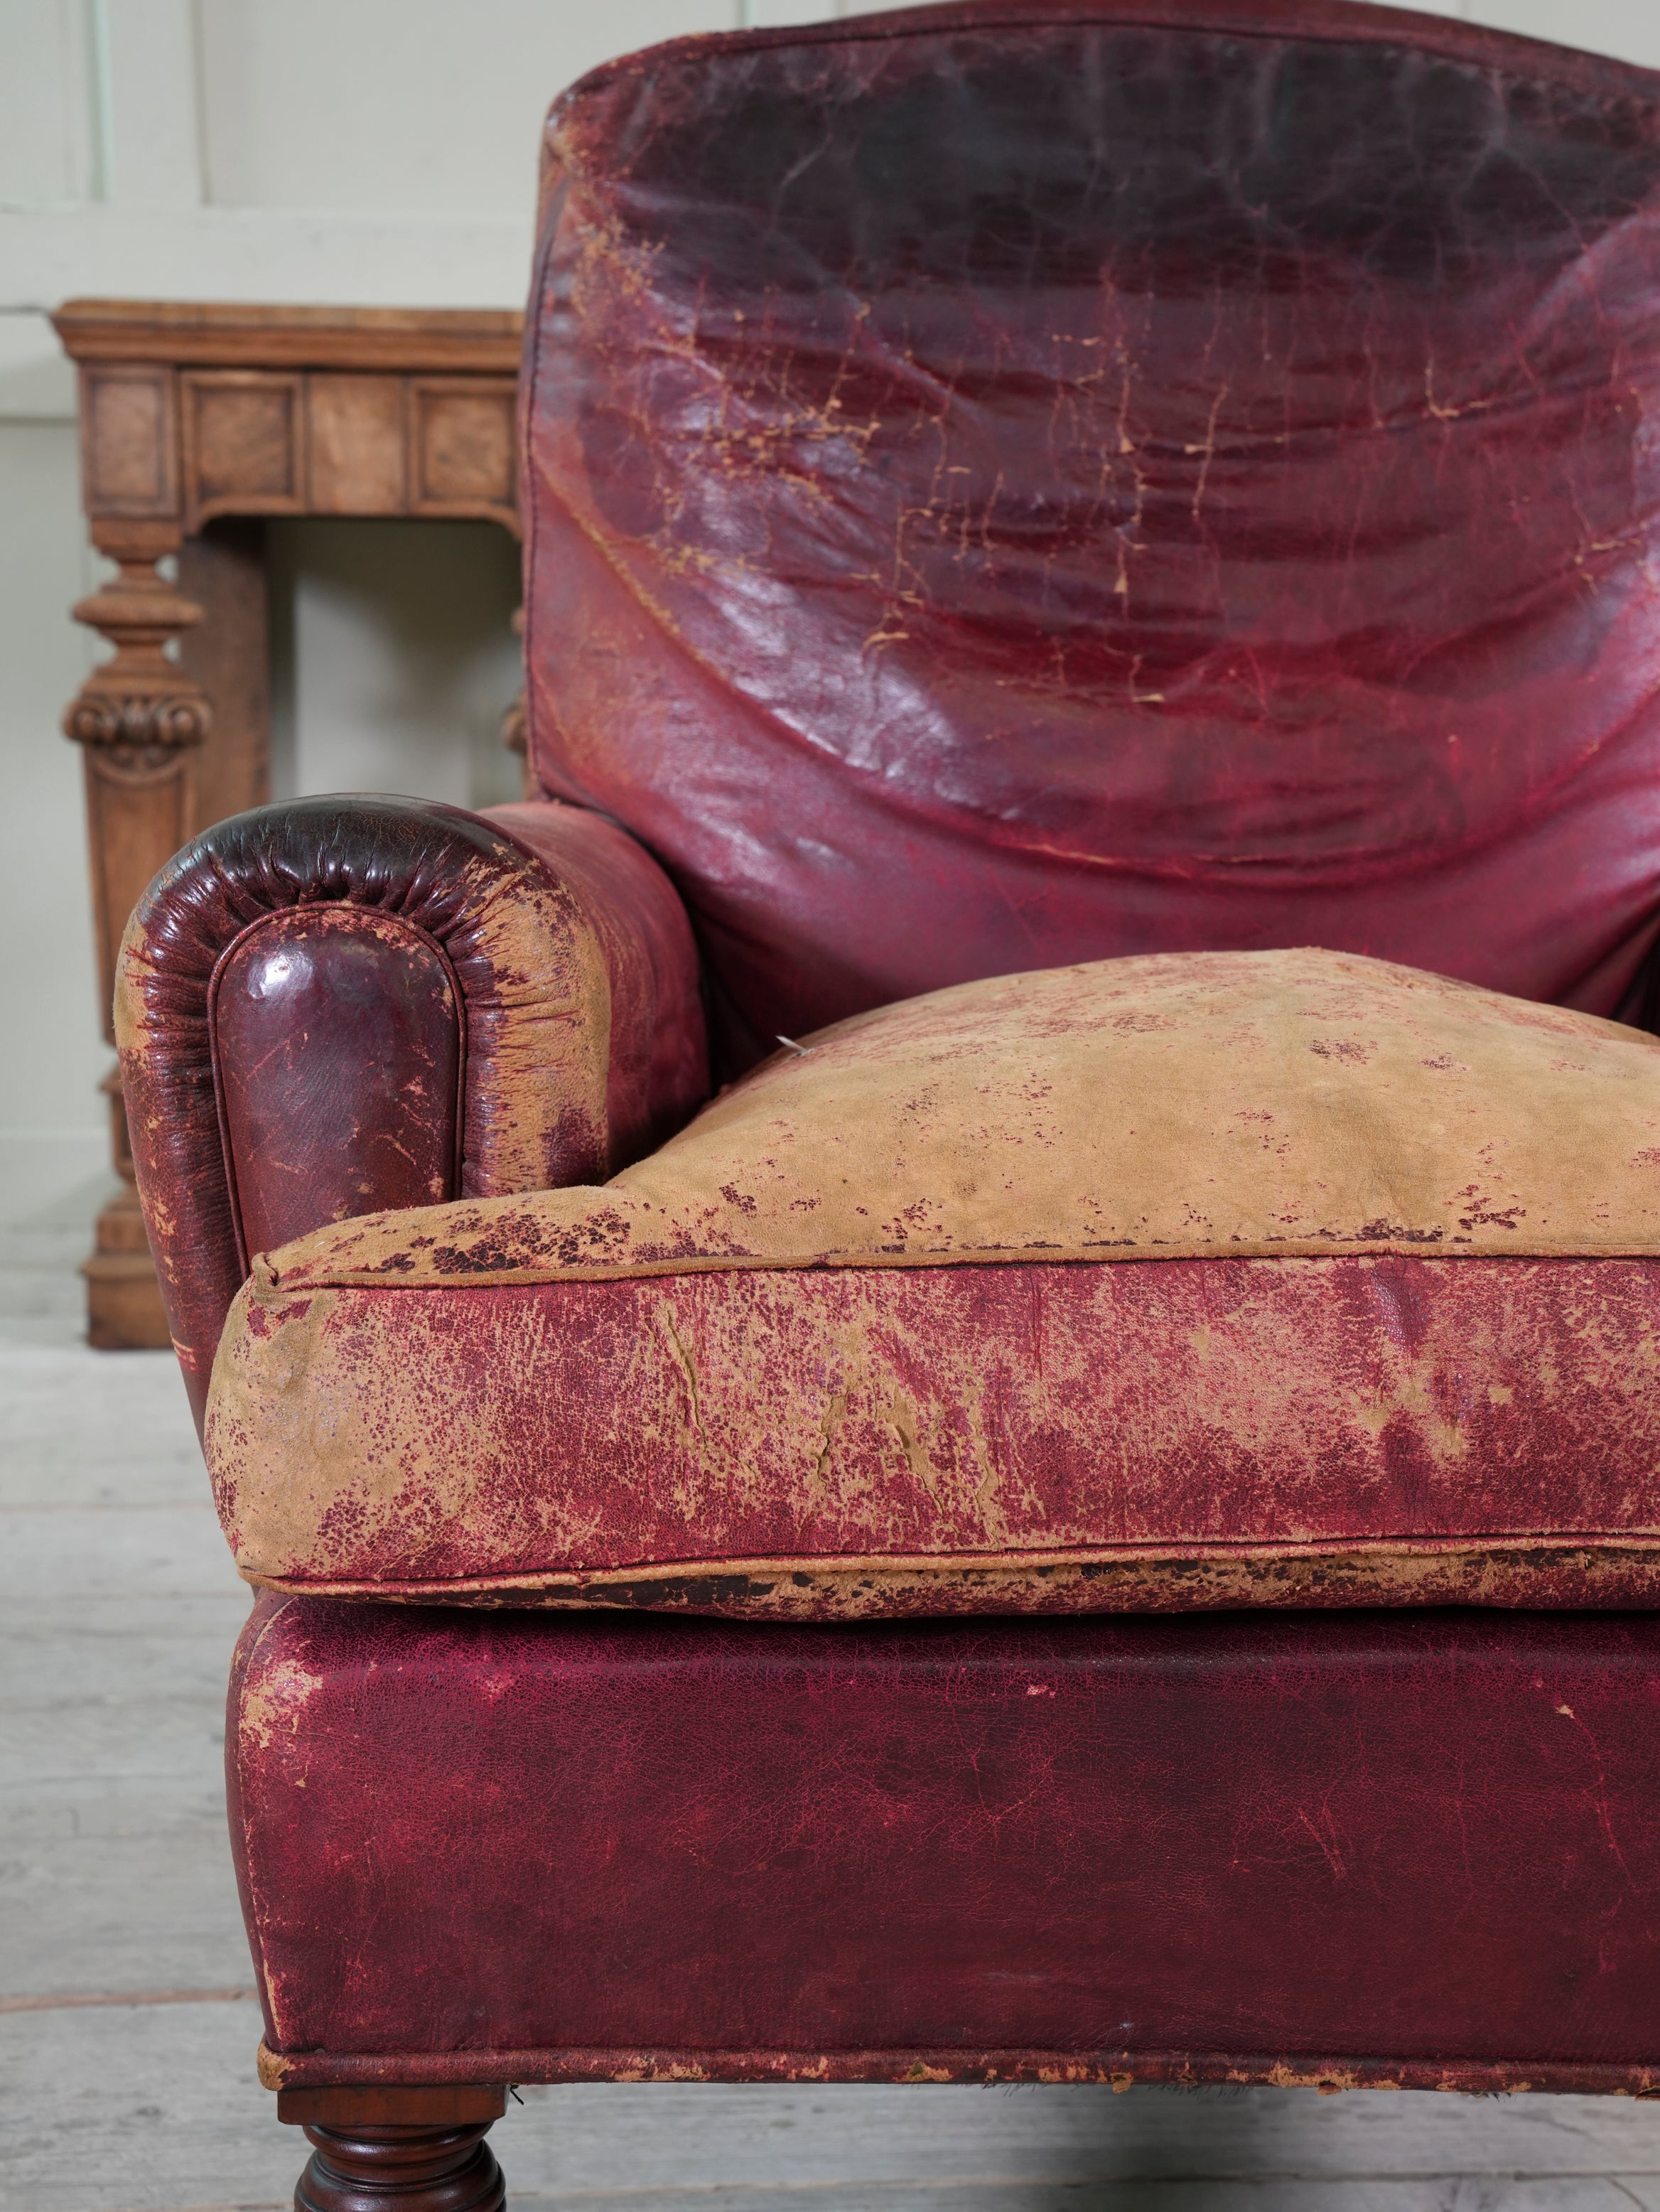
{"x": 197, "y": 421}
{"x": 140, "y": 720}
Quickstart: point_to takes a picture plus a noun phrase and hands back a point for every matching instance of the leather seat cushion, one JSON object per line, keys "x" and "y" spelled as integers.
{"x": 1287, "y": 1278}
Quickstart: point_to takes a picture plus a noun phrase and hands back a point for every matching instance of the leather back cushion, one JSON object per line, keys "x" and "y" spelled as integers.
{"x": 1018, "y": 484}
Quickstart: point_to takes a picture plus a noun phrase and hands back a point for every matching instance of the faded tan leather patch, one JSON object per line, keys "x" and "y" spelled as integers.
{"x": 1265, "y": 1104}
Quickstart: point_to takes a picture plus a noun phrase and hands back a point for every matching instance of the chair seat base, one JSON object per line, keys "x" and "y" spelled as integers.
{"x": 1421, "y": 1848}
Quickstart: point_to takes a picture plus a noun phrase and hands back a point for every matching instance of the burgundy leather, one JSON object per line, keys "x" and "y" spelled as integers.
{"x": 337, "y": 1046}
{"x": 539, "y": 921}
{"x": 1022, "y": 483}
{"x": 1018, "y": 483}
{"x": 659, "y": 1064}
{"x": 823, "y": 1443}
{"x": 516, "y": 1846}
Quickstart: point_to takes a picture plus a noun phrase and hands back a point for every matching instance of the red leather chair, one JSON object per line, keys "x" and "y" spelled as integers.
{"x": 1009, "y": 487}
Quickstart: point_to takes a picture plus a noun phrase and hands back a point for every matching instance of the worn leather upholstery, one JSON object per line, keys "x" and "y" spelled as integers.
{"x": 1046, "y": 479}
{"x": 1199, "y": 1280}
{"x": 1160, "y": 1435}
{"x": 335, "y": 1005}
{"x": 1421, "y": 1848}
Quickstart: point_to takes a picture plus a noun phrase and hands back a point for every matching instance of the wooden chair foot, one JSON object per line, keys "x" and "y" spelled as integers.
{"x": 397, "y": 2151}
{"x": 417, "y": 2169}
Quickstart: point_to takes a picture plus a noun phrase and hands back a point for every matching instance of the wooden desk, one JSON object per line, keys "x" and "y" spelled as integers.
{"x": 195, "y": 422}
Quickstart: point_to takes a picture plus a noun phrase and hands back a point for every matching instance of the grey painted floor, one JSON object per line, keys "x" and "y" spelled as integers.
{"x": 126, "y": 2070}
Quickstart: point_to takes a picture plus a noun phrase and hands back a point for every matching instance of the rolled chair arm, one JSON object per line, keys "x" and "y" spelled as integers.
{"x": 338, "y": 1006}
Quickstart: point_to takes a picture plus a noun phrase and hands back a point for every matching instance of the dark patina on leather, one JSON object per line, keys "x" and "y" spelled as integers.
{"x": 338, "y": 1045}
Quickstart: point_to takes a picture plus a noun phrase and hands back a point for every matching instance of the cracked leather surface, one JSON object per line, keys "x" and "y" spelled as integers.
{"x": 1150, "y": 1436}
{"x": 1023, "y": 483}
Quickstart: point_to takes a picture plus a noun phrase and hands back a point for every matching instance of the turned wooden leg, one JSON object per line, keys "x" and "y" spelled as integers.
{"x": 159, "y": 766}
{"x": 396, "y": 2151}
{"x": 417, "y": 2169}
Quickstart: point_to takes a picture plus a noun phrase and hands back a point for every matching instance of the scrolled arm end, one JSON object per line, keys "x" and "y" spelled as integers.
{"x": 338, "y": 1006}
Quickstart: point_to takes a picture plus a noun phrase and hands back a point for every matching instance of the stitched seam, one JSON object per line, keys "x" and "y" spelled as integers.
{"x": 1576, "y": 69}
{"x": 257, "y": 1919}
{"x": 1366, "y": 1551}
{"x": 532, "y": 506}
{"x": 560, "y": 2063}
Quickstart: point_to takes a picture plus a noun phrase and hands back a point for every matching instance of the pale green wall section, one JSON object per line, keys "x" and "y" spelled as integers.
{"x": 52, "y": 1138}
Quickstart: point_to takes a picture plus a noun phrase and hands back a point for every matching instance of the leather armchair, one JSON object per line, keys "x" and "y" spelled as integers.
{"x": 1035, "y": 513}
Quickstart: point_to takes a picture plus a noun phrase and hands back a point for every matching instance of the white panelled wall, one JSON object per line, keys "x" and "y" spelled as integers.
{"x": 376, "y": 152}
